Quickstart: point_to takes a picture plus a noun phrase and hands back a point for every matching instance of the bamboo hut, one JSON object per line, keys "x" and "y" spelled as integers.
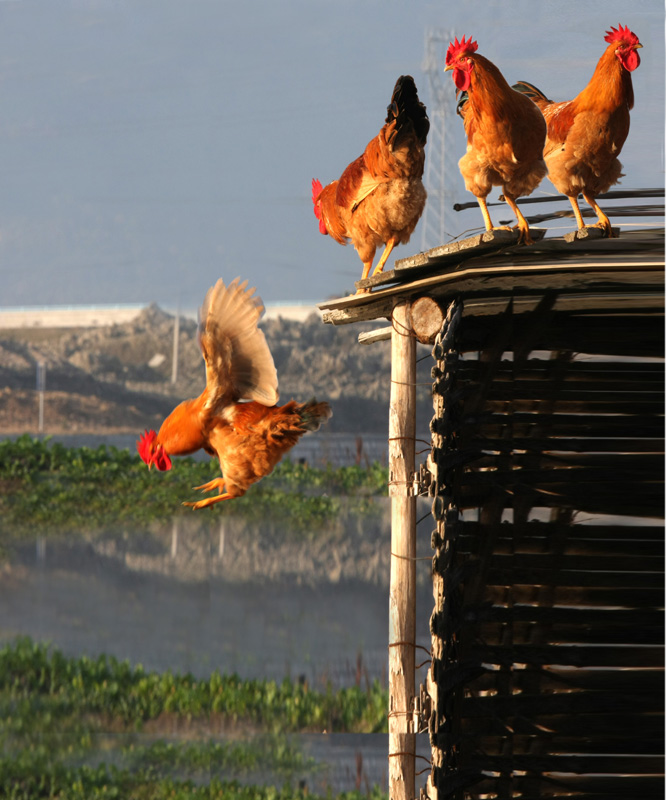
{"x": 545, "y": 475}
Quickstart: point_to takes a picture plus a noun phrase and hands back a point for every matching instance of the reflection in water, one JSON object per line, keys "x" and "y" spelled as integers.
{"x": 195, "y": 598}
{"x": 199, "y": 595}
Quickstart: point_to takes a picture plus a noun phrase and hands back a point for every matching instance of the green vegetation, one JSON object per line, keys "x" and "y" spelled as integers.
{"x": 57, "y": 489}
{"x": 75, "y": 728}
{"x": 37, "y": 681}
{"x": 59, "y": 716}
{"x": 31, "y": 777}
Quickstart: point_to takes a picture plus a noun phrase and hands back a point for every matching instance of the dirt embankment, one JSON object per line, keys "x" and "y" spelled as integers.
{"x": 119, "y": 378}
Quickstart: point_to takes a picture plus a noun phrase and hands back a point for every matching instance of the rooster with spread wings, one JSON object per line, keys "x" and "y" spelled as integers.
{"x": 236, "y": 417}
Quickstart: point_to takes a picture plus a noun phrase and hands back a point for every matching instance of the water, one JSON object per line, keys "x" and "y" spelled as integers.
{"x": 205, "y": 595}
{"x": 171, "y": 600}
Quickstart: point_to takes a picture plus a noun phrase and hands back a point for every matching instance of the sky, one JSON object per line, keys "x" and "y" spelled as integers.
{"x": 149, "y": 147}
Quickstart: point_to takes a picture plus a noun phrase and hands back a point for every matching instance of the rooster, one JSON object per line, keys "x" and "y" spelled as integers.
{"x": 505, "y": 134}
{"x": 586, "y": 134}
{"x": 249, "y": 438}
{"x": 380, "y": 197}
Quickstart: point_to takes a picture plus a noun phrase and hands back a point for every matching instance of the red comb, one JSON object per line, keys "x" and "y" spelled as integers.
{"x": 621, "y": 34}
{"x": 460, "y": 48}
{"x": 143, "y": 445}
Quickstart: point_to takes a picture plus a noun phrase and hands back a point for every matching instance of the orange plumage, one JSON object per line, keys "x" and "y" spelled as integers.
{"x": 505, "y": 134}
{"x": 586, "y": 134}
{"x": 235, "y": 417}
{"x": 380, "y": 196}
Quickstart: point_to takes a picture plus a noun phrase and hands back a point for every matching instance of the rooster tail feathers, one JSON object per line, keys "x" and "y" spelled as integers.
{"x": 406, "y": 110}
{"x": 238, "y": 361}
{"x": 314, "y": 414}
{"x": 531, "y": 91}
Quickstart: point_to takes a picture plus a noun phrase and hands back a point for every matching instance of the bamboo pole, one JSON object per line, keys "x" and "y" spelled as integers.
{"x": 402, "y": 609}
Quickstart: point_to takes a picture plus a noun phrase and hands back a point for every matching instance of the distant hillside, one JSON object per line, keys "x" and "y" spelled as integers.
{"x": 118, "y": 378}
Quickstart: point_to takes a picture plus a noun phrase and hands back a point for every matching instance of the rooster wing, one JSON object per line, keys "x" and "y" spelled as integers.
{"x": 239, "y": 364}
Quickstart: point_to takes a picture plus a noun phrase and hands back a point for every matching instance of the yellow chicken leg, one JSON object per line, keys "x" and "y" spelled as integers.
{"x": 579, "y": 217}
{"x": 387, "y": 252}
{"x": 486, "y": 217}
{"x": 367, "y": 266}
{"x": 217, "y": 483}
{"x": 209, "y": 501}
{"x": 523, "y": 224}
{"x": 604, "y": 223}
{"x": 486, "y": 214}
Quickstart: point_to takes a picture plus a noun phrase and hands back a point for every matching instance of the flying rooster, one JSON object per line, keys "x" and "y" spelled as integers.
{"x": 505, "y": 135}
{"x": 380, "y": 197}
{"x": 586, "y": 134}
{"x": 236, "y": 417}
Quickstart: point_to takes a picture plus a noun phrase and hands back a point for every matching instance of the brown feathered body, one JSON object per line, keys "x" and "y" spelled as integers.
{"x": 379, "y": 198}
{"x": 505, "y": 138}
{"x": 586, "y": 134}
{"x": 236, "y": 417}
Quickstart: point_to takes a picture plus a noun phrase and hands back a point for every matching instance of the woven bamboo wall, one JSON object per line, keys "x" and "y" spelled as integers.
{"x": 547, "y": 484}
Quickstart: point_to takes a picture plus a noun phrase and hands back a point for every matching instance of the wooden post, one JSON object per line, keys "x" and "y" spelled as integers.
{"x": 402, "y": 600}
{"x": 174, "y": 357}
{"x": 41, "y": 386}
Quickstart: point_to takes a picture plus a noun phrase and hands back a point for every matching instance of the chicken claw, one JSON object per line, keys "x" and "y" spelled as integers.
{"x": 209, "y": 501}
{"x": 217, "y": 483}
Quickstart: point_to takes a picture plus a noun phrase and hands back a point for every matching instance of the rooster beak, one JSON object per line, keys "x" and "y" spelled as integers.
{"x": 448, "y": 67}
{"x": 636, "y": 46}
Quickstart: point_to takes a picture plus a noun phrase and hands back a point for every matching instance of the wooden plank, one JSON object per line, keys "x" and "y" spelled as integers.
{"x": 566, "y": 655}
{"x": 609, "y": 335}
{"x": 471, "y": 246}
{"x": 589, "y": 232}
{"x": 634, "y": 404}
{"x": 449, "y": 256}
{"x": 639, "y": 743}
{"x": 551, "y": 680}
{"x": 589, "y": 596}
{"x": 627, "y": 546}
{"x": 577, "y": 764}
{"x": 370, "y": 337}
{"x": 519, "y": 531}
{"x": 525, "y": 633}
{"x": 509, "y": 576}
{"x": 584, "y": 725}
{"x": 561, "y": 425}
{"x": 489, "y": 280}
{"x": 569, "y": 445}
{"x": 402, "y": 588}
{"x": 546, "y": 368}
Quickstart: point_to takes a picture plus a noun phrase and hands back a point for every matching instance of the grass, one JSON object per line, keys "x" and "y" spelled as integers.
{"x": 55, "y": 710}
{"x": 57, "y": 489}
{"x": 41, "y": 686}
{"x": 32, "y": 776}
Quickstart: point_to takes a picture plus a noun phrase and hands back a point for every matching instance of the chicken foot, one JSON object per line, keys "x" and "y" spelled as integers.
{"x": 217, "y": 483}
{"x": 604, "y": 223}
{"x": 486, "y": 217}
{"x": 523, "y": 224}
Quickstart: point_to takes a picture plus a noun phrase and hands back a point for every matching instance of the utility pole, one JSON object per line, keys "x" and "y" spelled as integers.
{"x": 41, "y": 386}
{"x": 441, "y": 166}
{"x": 176, "y": 336}
{"x": 402, "y": 590}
